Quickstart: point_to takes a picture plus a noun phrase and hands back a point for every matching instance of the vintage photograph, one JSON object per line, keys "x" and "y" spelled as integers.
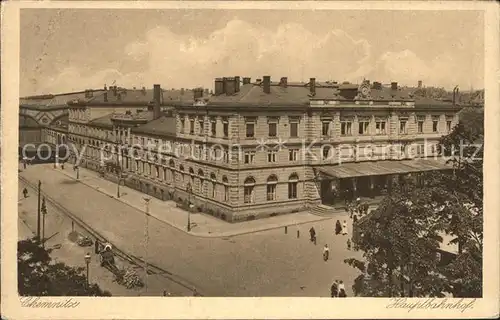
{"x": 250, "y": 153}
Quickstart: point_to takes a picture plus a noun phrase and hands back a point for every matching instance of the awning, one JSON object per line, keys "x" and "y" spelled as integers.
{"x": 385, "y": 167}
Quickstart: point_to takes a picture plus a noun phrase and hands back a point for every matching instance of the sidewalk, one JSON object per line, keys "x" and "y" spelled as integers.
{"x": 202, "y": 225}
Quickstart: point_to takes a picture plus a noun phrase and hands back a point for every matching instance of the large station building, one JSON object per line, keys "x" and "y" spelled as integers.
{"x": 252, "y": 149}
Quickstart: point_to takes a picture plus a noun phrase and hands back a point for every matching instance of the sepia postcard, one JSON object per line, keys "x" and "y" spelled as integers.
{"x": 249, "y": 160}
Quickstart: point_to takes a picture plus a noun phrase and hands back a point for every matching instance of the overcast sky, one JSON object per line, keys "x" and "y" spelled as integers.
{"x": 76, "y": 49}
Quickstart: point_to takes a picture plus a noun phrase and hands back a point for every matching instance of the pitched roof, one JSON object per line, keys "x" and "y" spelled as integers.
{"x": 165, "y": 125}
{"x": 52, "y": 100}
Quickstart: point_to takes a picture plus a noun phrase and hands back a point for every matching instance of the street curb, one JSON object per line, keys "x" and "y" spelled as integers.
{"x": 199, "y": 235}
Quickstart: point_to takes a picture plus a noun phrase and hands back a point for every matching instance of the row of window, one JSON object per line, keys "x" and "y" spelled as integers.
{"x": 346, "y": 126}
{"x": 271, "y": 188}
{"x": 197, "y": 126}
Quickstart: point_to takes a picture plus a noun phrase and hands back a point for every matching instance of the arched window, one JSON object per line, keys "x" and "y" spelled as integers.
{"x": 213, "y": 179}
{"x": 225, "y": 182}
{"x": 293, "y": 182}
{"x": 248, "y": 190}
{"x": 272, "y": 182}
{"x": 181, "y": 171}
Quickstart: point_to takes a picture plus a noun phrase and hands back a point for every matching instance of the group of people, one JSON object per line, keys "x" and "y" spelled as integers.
{"x": 337, "y": 289}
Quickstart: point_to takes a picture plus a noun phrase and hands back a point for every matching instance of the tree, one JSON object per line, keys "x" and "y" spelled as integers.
{"x": 399, "y": 240}
{"x": 38, "y": 276}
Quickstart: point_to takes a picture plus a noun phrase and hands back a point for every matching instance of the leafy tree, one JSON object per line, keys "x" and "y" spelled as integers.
{"x": 38, "y": 276}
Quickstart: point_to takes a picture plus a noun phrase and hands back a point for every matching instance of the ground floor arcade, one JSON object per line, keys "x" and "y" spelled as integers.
{"x": 346, "y": 182}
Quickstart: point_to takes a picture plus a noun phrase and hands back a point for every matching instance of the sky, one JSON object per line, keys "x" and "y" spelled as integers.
{"x": 66, "y": 50}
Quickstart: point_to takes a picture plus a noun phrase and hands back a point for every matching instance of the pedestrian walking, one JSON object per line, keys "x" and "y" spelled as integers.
{"x": 312, "y": 233}
{"x": 349, "y": 244}
{"x": 338, "y": 227}
{"x": 326, "y": 252}
{"x": 344, "y": 228}
{"x": 25, "y": 193}
{"x": 334, "y": 289}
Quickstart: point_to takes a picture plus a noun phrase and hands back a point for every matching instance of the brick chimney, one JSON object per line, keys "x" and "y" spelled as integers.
{"x": 206, "y": 92}
{"x": 143, "y": 91}
{"x": 106, "y": 96}
{"x": 157, "y": 101}
{"x": 219, "y": 86}
{"x": 247, "y": 80}
{"x": 284, "y": 82}
{"x": 312, "y": 86}
{"x": 267, "y": 84}
{"x": 198, "y": 93}
{"x": 237, "y": 84}
{"x": 419, "y": 83}
{"x": 394, "y": 86}
{"x": 229, "y": 86}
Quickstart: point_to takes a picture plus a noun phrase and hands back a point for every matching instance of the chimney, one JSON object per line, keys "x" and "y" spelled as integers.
{"x": 394, "y": 86}
{"x": 119, "y": 96}
{"x": 237, "y": 84}
{"x": 219, "y": 86}
{"x": 312, "y": 86}
{"x": 284, "y": 82}
{"x": 206, "y": 92}
{"x": 377, "y": 85}
{"x": 157, "y": 101}
{"x": 143, "y": 91}
{"x": 229, "y": 86}
{"x": 106, "y": 96}
{"x": 105, "y": 88}
{"x": 267, "y": 84}
{"x": 114, "y": 91}
{"x": 419, "y": 83}
{"x": 198, "y": 93}
{"x": 247, "y": 80}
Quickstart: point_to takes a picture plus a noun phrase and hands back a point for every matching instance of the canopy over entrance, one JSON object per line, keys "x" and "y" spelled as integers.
{"x": 385, "y": 167}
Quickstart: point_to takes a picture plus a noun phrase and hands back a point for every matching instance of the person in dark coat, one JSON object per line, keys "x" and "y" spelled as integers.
{"x": 25, "y": 192}
{"x": 312, "y": 232}
{"x": 334, "y": 290}
{"x": 349, "y": 244}
{"x": 338, "y": 227}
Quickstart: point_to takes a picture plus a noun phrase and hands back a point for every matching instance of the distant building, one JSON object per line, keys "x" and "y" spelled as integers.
{"x": 259, "y": 148}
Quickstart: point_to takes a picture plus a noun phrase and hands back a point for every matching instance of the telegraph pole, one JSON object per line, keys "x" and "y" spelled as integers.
{"x": 39, "y": 211}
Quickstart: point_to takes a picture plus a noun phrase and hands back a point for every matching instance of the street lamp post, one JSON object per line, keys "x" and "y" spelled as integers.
{"x": 44, "y": 212}
{"x": 77, "y": 169}
{"x": 39, "y": 210}
{"x": 189, "y": 190}
{"x": 146, "y": 242}
{"x": 118, "y": 168}
{"x": 87, "y": 262}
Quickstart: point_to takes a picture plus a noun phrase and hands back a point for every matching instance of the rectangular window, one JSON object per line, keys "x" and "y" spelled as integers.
{"x": 248, "y": 194}
{"x": 380, "y": 127}
{"x": 292, "y": 154}
{"x": 249, "y": 157}
{"x": 271, "y": 192}
{"x": 403, "y": 126}
{"x": 226, "y": 193}
{"x": 326, "y": 152}
{"x": 213, "y": 127}
{"x": 435, "y": 122}
{"x": 448, "y": 126}
{"x": 346, "y": 128}
{"x": 325, "y": 128}
{"x": 273, "y": 129}
{"x": 420, "y": 150}
{"x": 363, "y": 127}
{"x": 213, "y": 189}
{"x": 191, "y": 126}
{"x": 226, "y": 156}
{"x": 225, "y": 127}
{"x": 200, "y": 127}
{"x": 292, "y": 190}
{"x": 271, "y": 156}
{"x": 294, "y": 129}
{"x": 250, "y": 129}
{"x": 420, "y": 125}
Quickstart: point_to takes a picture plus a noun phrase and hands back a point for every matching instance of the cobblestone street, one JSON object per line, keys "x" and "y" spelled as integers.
{"x": 267, "y": 263}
